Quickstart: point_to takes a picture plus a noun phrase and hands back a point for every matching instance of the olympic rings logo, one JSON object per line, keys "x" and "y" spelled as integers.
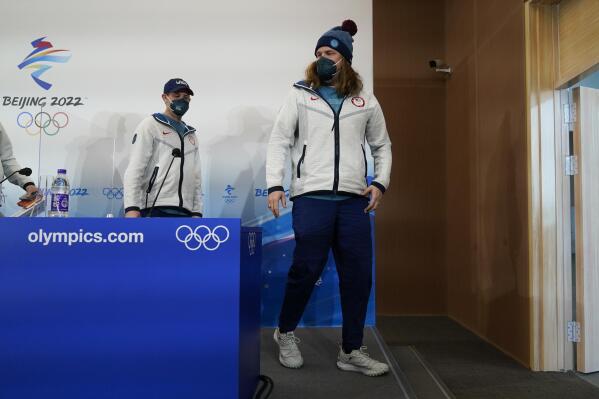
{"x": 113, "y": 192}
{"x": 51, "y": 125}
{"x": 202, "y": 236}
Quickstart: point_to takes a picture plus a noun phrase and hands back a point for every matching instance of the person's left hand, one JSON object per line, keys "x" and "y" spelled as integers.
{"x": 31, "y": 189}
{"x": 376, "y": 197}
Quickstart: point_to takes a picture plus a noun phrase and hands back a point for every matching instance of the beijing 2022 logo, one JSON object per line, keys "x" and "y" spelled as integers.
{"x": 43, "y": 53}
{"x": 48, "y": 115}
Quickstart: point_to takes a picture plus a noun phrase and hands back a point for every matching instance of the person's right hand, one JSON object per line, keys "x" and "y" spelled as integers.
{"x": 133, "y": 214}
{"x": 273, "y": 202}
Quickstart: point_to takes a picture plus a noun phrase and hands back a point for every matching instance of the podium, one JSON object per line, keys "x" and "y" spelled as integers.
{"x": 129, "y": 308}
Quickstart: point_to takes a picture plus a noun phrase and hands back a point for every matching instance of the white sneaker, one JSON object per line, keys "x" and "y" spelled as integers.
{"x": 360, "y": 361}
{"x": 289, "y": 354}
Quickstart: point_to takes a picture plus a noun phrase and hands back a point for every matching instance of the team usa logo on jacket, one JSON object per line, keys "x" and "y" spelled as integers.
{"x": 192, "y": 139}
{"x": 358, "y": 102}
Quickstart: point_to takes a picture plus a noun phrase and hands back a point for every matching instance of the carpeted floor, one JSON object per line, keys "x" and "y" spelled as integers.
{"x": 319, "y": 377}
{"x": 431, "y": 357}
{"x": 470, "y": 367}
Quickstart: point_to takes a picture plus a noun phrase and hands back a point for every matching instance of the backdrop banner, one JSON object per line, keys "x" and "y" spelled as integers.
{"x": 76, "y": 78}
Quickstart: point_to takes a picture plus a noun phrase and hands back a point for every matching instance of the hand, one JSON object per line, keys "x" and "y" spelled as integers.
{"x": 133, "y": 214}
{"x": 375, "y": 198}
{"x": 31, "y": 189}
{"x": 273, "y": 202}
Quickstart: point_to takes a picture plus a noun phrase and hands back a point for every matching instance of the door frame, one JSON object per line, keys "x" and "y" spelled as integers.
{"x": 586, "y": 147}
{"x": 551, "y": 25}
{"x": 548, "y": 194}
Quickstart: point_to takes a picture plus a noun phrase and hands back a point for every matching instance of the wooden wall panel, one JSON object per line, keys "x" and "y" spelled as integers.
{"x": 452, "y": 236}
{"x": 410, "y": 226}
{"x": 410, "y": 235}
{"x": 578, "y": 38}
{"x": 463, "y": 290}
{"x": 503, "y": 189}
{"x": 487, "y": 235}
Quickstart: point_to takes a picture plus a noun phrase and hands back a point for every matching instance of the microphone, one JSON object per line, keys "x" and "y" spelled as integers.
{"x": 151, "y": 183}
{"x": 176, "y": 154}
{"x": 24, "y": 172}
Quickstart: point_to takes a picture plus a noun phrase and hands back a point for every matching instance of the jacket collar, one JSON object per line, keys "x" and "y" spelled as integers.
{"x": 161, "y": 119}
{"x": 302, "y": 84}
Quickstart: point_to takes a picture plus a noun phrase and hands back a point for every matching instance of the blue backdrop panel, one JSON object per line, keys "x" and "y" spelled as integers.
{"x": 249, "y": 311}
{"x": 151, "y": 319}
{"x": 324, "y": 307}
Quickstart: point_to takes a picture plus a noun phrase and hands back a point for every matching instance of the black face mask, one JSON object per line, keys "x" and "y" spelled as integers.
{"x": 326, "y": 69}
{"x": 179, "y": 107}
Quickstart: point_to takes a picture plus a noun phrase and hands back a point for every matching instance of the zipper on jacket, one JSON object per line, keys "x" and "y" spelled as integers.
{"x": 365, "y": 164}
{"x": 301, "y": 160}
{"x": 337, "y": 147}
{"x": 336, "y": 129}
{"x": 181, "y": 170}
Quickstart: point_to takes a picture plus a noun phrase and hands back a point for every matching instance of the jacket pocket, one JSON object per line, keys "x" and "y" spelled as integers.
{"x": 301, "y": 161}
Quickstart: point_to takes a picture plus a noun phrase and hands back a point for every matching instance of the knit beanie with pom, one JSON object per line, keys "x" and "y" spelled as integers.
{"x": 340, "y": 39}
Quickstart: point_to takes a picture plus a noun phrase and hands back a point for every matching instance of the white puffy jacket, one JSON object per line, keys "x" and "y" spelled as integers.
{"x": 153, "y": 145}
{"x": 327, "y": 150}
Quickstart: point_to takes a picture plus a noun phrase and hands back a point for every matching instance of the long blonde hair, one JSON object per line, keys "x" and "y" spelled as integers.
{"x": 347, "y": 81}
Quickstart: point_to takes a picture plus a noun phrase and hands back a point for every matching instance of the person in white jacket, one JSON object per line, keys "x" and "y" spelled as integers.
{"x": 10, "y": 166}
{"x": 163, "y": 178}
{"x": 324, "y": 125}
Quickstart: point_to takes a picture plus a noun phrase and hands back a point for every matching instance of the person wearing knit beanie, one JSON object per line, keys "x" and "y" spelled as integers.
{"x": 332, "y": 73}
{"x": 331, "y": 192}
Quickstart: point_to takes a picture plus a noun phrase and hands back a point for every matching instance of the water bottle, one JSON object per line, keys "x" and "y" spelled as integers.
{"x": 59, "y": 198}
